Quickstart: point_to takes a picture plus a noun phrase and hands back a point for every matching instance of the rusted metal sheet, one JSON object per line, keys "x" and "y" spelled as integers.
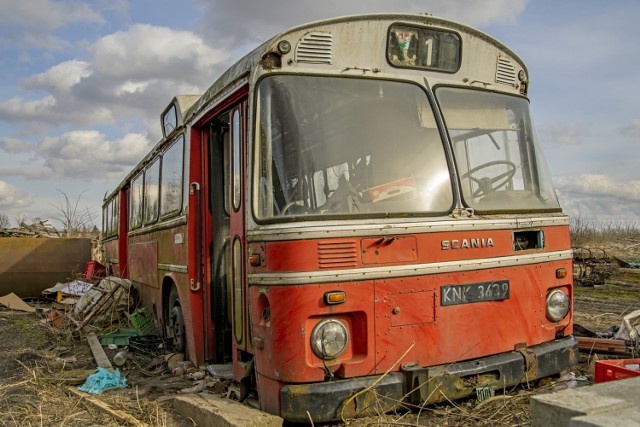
{"x": 28, "y": 266}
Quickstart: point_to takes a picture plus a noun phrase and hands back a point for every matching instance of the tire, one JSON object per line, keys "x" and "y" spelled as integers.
{"x": 176, "y": 322}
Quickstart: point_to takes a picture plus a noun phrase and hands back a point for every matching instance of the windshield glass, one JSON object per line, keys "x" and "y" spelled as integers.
{"x": 339, "y": 146}
{"x": 499, "y": 163}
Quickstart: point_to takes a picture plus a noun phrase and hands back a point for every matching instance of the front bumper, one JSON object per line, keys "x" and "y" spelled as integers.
{"x": 329, "y": 401}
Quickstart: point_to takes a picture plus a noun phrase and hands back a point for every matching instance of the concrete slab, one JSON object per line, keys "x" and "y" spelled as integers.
{"x": 624, "y": 418}
{"x": 208, "y": 410}
{"x": 587, "y": 406}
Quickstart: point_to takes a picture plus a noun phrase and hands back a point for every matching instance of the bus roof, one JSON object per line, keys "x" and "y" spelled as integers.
{"x": 244, "y": 66}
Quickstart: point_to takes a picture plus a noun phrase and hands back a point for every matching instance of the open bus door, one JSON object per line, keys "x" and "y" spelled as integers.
{"x": 219, "y": 178}
{"x": 239, "y": 298}
{"x": 226, "y": 246}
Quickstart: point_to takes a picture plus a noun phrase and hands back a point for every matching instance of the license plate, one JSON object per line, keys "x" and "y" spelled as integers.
{"x": 474, "y": 292}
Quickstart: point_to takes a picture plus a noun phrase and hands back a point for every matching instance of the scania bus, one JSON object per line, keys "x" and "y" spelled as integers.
{"x": 355, "y": 215}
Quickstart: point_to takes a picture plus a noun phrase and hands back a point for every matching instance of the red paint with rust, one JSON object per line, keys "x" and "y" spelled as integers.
{"x": 386, "y": 317}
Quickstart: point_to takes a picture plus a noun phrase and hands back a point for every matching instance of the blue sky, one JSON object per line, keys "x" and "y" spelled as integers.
{"x": 82, "y": 85}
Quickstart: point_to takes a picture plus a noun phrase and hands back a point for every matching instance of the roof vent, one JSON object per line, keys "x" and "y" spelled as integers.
{"x": 506, "y": 72}
{"x": 315, "y": 48}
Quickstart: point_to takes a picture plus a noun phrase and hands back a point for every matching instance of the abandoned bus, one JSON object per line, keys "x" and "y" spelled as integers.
{"x": 357, "y": 204}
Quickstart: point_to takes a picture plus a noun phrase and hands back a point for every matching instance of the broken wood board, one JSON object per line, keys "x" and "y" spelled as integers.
{"x": 14, "y": 302}
{"x": 98, "y": 352}
{"x": 602, "y": 344}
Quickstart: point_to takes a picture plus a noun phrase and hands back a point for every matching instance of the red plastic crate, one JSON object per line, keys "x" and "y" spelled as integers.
{"x": 612, "y": 370}
{"x": 93, "y": 270}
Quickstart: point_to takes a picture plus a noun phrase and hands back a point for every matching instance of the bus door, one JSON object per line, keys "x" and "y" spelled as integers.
{"x": 226, "y": 205}
{"x": 237, "y": 243}
{"x": 219, "y": 249}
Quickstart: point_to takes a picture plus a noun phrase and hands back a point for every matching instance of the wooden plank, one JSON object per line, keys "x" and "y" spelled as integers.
{"x": 602, "y": 344}
{"x": 98, "y": 352}
{"x": 117, "y": 414}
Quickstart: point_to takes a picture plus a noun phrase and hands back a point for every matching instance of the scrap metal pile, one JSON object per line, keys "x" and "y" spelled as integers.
{"x": 591, "y": 267}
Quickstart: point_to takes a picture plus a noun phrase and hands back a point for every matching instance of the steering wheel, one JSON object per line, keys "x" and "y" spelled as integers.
{"x": 292, "y": 203}
{"x": 487, "y": 185}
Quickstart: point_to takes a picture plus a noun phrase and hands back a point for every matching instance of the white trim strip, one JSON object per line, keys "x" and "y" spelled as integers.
{"x": 375, "y": 273}
{"x": 173, "y": 268}
{"x": 331, "y": 229}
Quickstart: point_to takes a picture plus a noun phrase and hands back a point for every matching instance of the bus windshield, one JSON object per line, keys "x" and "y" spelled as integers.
{"x": 331, "y": 146}
{"x": 498, "y": 161}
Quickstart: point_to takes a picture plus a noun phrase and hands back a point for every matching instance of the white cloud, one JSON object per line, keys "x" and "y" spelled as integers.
{"x": 146, "y": 51}
{"x": 61, "y": 77}
{"x": 15, "y": 146}
{"x": 29, "y": 23}
{"x": 129, "y": 76}
{"x": 12, "y": 197}
{"x": 89, "y": 155}
{"x": 631, "y": 129}
{"x": 83, "y": 154}
{"x": 46, "y": 15}
{"x": 19, "y": 109}
{"x": 564, "y": 133}
{"x": 599, "y": 197}
{"x": 601, "y": 186}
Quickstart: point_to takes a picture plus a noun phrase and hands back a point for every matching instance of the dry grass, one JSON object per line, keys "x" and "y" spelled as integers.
{"x": 42, "y": 399}
{"x": 35, "y": 380}
{"x": 509, "y": 409}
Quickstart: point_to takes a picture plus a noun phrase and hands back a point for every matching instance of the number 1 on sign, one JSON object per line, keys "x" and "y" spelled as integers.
{"x": 429, "y": 45}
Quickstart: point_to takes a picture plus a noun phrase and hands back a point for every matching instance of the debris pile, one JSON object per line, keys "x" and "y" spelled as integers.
{"x": 592, "y": 266}
{"x": 622, "y": 341}
{"x": 40, "y": 229}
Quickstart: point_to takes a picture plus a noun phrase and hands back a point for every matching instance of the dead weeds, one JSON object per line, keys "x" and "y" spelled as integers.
{"x": 40, "y": 368}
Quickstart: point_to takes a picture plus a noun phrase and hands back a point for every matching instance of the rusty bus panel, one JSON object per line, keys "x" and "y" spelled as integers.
{"x": 28, "y": 265}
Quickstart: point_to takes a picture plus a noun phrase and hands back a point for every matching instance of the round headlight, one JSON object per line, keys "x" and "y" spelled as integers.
{"x": 557, "y": 305}
{"x": 329, "y": 339}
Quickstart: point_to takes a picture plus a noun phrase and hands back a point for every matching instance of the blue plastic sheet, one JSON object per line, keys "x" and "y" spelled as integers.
{"x": 103, "y": 380}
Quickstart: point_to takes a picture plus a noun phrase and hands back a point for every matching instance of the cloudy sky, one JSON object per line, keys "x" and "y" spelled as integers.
{"x": 83, "y": 83}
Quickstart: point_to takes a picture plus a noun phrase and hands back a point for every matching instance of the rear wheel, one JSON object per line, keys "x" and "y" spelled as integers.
{"x": 176, "y": 322}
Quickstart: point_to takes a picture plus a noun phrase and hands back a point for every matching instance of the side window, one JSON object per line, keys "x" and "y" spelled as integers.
{"x": 151, "y": 192}
{"x": 227, "y": 170}
{"x": 106, "y": 224}
{"x": 115, "y": 216}
{"x": 135, "y": 202}
{"x": 171, "y": 179}
{"x": 237, "y": 181}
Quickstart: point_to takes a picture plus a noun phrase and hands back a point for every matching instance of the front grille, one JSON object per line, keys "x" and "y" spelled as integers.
{"x": 337, "y": 254}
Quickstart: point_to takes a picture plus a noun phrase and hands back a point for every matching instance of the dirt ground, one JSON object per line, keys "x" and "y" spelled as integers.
{"x": 40, "y": 365}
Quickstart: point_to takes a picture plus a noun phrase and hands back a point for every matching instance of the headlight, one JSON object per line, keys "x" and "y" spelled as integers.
{"x": 557, "y": 305}
{"x": 329, "y": 339}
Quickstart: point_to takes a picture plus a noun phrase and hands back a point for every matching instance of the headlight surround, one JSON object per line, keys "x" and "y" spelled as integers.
{"x": 329, "y": 339}
{"x": 558, "y": 305}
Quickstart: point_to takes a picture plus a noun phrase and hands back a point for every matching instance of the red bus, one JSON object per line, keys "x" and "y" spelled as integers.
{"x": 358, "y": 204}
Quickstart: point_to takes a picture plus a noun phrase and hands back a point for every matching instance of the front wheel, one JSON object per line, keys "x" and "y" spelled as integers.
{"x": 176, "y": 323}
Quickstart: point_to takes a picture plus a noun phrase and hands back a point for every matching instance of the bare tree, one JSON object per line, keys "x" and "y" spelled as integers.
{"x": 5, "y": 222}
{"x": 20, "y": 218}
{"x": 75, "y": 220}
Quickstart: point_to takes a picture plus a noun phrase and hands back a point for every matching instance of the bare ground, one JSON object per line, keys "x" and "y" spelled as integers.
{"x": 39, "y": 364}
